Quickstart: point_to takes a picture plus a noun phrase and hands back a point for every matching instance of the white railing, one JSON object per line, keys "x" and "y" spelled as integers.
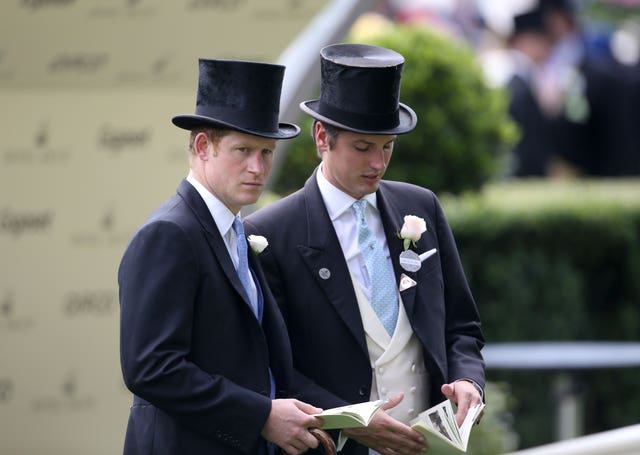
{"x": 622, "y": 441}
{"x": 563, "y": 359}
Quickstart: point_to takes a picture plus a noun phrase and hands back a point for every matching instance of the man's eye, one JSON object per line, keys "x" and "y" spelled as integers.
{"x": 267, "y": 152}
{"x": 362, "y": 149}
{"x": 242, "y": 149}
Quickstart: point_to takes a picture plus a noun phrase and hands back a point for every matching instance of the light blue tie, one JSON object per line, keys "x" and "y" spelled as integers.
{"x": 243, "y": 263}
{"x": 384, "y": 295}
{"x": 243, "y": 274}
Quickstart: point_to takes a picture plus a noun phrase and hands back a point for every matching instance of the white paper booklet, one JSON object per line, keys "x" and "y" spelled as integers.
{"x": 439, "y": 421}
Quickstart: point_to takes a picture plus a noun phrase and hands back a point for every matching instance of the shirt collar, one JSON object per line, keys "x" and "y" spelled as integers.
{"x": 336, "y": 200}
{"x": 222, "y": 216}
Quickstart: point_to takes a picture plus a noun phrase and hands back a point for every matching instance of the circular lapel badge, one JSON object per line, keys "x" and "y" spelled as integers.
{"x": 410, "y": 261}
{"x": 324, "y": 273}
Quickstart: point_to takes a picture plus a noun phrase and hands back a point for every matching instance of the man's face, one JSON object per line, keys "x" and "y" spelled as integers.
{"x": 235, "y": 169}
{"x": 356, "y": 162}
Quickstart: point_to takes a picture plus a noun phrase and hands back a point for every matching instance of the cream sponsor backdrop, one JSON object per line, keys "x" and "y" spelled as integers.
{"x": 87, "y": 151}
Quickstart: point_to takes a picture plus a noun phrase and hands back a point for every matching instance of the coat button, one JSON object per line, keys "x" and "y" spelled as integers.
{"x": 362, "y": 391}
{"x": 383, "y": 391}
{"x": 413, "y": 367}
{"x": 412, "y": 389}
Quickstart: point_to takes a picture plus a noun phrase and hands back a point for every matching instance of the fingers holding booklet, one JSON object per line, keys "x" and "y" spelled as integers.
{"x": 436, "y": 424}
{"x": 370, "y": 425}
{"x": 350, "y": 416}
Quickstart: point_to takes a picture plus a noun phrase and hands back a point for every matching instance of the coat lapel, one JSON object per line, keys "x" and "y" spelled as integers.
{"x": 392, "y": 221}
{"x": 323, "y": 256}
{"x": 193, "y": 199}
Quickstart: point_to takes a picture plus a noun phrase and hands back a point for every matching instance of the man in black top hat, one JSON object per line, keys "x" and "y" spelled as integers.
{"x": 366, "y": 271}
{"x": 529, "y": 46}
{"x": 203, "y": 346}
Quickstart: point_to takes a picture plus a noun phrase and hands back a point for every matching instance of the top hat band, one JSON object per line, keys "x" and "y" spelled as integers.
{"x": 362, "y": 121}
{"x": 259, "y": 120}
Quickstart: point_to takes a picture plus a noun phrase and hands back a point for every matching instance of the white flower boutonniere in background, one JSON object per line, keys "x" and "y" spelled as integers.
{"x": 257, "y": 243}
{"x": 412, "y": 230}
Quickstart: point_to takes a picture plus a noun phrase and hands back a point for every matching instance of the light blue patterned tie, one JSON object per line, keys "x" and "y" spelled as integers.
{"x": 384, "y": 295}
{"x": 243, "y": 274}
{"x": 243, "y": 263}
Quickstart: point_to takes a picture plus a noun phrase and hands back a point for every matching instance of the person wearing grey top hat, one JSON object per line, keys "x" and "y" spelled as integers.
{"x": 203, "y": 345}
{"x": 366, "y": 271}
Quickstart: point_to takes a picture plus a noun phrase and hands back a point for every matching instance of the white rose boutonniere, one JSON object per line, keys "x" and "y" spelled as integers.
{"x": 257, "y": 243}
{"x": 412, "y": 230}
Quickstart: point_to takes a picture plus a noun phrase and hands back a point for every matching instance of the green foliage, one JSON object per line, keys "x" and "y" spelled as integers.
{"x": 494, "y": 434}
{"x": 611, "y": 12}
{"x": 554, "y": 261}
{"x": 299, "y": 162}
{"x": 463, "y": 133}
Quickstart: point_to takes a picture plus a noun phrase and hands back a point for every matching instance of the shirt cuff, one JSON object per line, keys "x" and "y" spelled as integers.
{"x": 342, "y": 440}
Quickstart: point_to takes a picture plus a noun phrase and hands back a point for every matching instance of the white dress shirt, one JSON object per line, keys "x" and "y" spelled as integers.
{"x": 224, "y": 221}
{"x": 338, "y": 205}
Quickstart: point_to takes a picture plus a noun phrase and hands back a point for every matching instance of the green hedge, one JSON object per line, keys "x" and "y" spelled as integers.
{"x": 556, "y": 261}
{"x": 464, "y": 132}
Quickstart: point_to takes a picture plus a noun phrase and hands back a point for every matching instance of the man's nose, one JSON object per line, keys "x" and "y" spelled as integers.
{"x": 379, "y": 159}
{"x": 256, "y": 163}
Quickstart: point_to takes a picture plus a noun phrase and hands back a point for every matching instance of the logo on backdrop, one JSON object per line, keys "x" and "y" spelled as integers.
{"x": 78, "y": 63}
{"x": 10, "y": 318}
{"x": 161, "y": 68}
{"x": 98, "y": 303}
{"x": 128, "y": 7}
{"x": 219, "y": 5}
{"x": 20, "y": 223}
{"x": 5, "y": 73}
{"x": 35, "y": 5}
{"x": 69, "y": 396}
{"x": 104, "y": 233}
{"x": 6, "y": 390}
{"x": 117, "y": 140}
{"x": 39, "y": 150}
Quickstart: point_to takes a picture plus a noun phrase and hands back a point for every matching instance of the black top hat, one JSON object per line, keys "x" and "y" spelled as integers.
{"x": 568, "y": 6}
{"x": 360, "y": 90}
{"x": 530, "y": 21}
{"x": 243, "y": 96}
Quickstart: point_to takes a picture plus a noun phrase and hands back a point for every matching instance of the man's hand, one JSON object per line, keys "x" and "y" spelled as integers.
{"x": 464, "y": 394}
{"x": 288, "y": 425}
{"x": 386, "y": 435}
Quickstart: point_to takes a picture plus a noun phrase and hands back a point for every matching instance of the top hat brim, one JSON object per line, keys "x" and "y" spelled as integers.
{"x": 407, "y": 119}
{"x": 191, "y": 122}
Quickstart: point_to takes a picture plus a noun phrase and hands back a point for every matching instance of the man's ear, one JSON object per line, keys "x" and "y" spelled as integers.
{"x": 201, "y": 145}
{"x": 321, "y": 137}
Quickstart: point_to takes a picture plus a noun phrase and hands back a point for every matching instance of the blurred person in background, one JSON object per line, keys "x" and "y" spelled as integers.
{"x": 589, "y": 98}
{"x": 529, "y": 48}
